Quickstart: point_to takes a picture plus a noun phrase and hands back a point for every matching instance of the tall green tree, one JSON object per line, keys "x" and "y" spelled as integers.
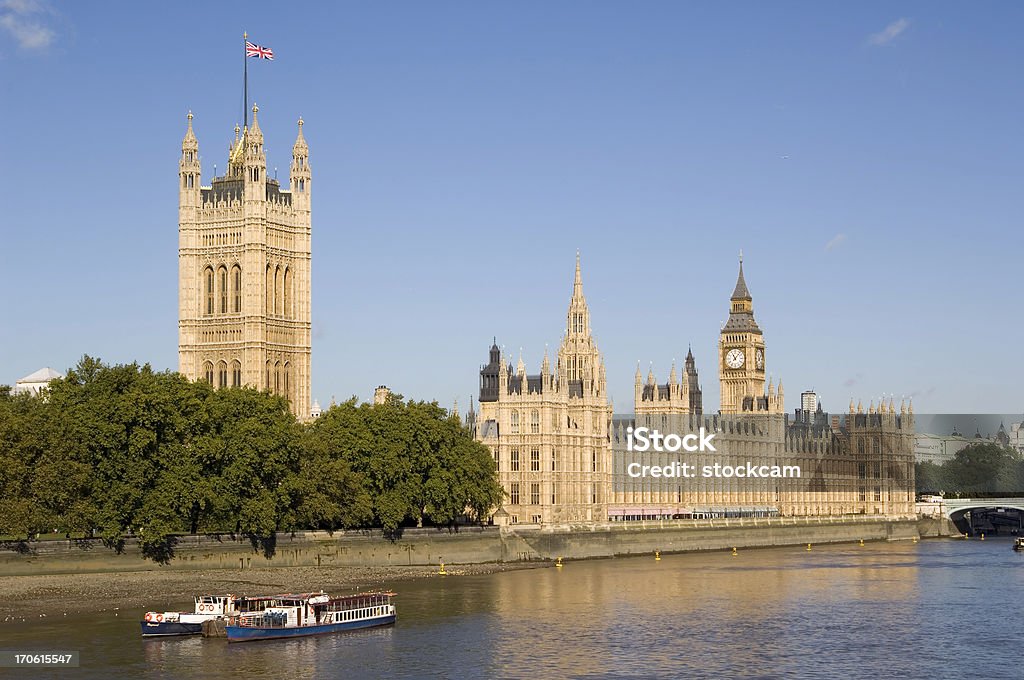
{"x": 418, "y": 464}
{"x": 984, "y": 468}
{"x": 124, "y": 450}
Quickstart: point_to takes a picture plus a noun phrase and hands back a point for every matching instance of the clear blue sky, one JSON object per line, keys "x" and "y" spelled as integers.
{"x": 866, "y": 157}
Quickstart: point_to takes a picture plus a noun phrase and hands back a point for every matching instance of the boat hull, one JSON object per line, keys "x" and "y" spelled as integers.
{"x": 247, "y": 633}
{"x": 169, "y": 628}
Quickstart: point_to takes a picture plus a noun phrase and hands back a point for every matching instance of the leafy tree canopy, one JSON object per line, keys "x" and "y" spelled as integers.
{"x": 124, "y": 450}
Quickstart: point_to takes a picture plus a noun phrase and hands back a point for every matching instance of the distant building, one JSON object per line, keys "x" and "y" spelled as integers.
{"x": 1002, "y": 438}
{"x": 380, "y": 395}
{"x": 34, "y": 383}
{"x": 809, "y": 401}
{"x": 1016, "y": 436}
{"x": 938, "y": 449}
{"x": 316, "y": 411}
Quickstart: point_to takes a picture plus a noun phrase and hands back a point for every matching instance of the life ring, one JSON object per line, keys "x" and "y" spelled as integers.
{"x": 149, "y": 616}
{"x": 202, "y": 607}
{"x": 159, "y": 618}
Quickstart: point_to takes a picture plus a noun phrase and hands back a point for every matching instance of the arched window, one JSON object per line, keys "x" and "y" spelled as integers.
{"x": 515, "y": 422}
{"x": 270, "y": 296}
{"x": 287, "y": 310}
{"x": 268, "y": 376}
{"x": 236, "y": 373}
{"x": 534, "y": 421}
{"x": 277, "y": 377}
{"x": 208, "y": 372}
{"x": 222, "y": 280}
{"x": 208, "y": 275}
{"x": 277, "y": 290}
{"x": 287, "y": 380}
{"x": 236, "y": 277}
{"x": 222, "y": 374}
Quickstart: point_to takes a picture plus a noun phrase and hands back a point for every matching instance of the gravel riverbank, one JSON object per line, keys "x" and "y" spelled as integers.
{"x": 24, "y": 597}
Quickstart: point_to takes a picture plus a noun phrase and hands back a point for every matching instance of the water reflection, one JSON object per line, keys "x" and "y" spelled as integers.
{"x": 934, "y": 609}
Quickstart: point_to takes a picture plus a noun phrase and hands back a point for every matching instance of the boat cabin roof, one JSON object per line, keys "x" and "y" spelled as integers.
{"x": 302, "y": 597}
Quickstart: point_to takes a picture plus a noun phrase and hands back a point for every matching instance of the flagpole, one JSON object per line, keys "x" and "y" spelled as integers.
{"x": 245, "y": 78}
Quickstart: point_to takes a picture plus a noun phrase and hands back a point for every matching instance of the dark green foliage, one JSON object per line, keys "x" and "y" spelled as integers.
{"x": 417, "y": 464}
{"x": 116, "y": 451}
{"x": 982, "y": 468}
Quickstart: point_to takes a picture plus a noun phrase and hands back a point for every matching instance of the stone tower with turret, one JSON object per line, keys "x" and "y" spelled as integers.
{"x": 741, "y": 359}
{"x": 244, "y": 251}
{"x": 548, "y": 432}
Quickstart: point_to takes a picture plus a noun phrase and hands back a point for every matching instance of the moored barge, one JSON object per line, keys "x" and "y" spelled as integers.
{"x": 287, "y": 616}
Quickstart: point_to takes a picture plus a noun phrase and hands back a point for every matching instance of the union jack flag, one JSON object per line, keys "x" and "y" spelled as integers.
{"x": 252, "y": 50}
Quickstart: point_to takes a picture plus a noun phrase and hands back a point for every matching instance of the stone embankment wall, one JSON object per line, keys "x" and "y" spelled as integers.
{"x": 468, "y": 545}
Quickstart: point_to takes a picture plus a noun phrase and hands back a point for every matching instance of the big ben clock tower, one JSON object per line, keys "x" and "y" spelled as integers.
{"x": 741, "y": 355}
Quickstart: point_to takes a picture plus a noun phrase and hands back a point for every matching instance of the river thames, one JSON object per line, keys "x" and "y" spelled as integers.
{"x": 935, "y": 609}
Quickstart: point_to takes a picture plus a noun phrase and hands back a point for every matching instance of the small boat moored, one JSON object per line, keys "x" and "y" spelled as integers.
{"x": 164, "y": 624}
{"x": 286, "y": 616}
{"x": 1018, "y": 544}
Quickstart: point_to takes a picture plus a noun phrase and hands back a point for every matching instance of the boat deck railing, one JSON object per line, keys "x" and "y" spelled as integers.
{"x": 280, "y": 619}
{"x": 262, "y": 621}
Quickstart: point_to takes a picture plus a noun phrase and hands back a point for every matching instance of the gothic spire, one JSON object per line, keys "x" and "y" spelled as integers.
{"x": 300, "y": 147}
{"x": 255, "y": 131}
{"x": 741, "y": 292}
{"x": 189, "y": 142}
{"x": 578, "y": 321}
{"x": 741, "y": 307}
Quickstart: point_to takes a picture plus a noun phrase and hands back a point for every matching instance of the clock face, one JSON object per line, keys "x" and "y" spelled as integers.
{"x": 759, "y": 359}
{"x": 734, "y": 359}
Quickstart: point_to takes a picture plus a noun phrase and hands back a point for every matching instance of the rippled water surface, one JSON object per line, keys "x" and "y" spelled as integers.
{"x": 936, "y": 609}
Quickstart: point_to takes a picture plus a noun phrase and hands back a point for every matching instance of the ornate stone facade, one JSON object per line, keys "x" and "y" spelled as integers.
{"x": 862, "y": 463}
{"x": 244, "y": 270}
{"x": 679, "y": 396}
{"x": 554, "y": 440}
{"x": 549, "y": 432}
